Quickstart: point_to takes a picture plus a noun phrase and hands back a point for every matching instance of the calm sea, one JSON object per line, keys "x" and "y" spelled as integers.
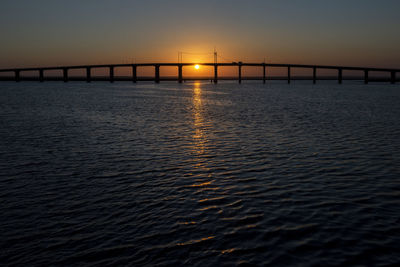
{"x": 199, "y": 174}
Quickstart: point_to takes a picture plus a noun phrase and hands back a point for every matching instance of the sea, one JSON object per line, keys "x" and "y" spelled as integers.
{"x": 199, "y": 174}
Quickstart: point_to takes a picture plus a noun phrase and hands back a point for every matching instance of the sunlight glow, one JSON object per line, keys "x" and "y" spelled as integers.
{"x": 197, "y": 66}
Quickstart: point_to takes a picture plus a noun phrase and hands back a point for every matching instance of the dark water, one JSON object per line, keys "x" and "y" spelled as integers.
{"x": 199, "y": 174}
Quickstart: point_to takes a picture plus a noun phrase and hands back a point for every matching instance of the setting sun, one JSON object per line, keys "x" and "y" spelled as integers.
{"x": 197, "y": 66}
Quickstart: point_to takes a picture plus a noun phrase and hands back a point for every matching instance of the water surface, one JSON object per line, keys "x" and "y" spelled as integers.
{"x": 199, "y": 174}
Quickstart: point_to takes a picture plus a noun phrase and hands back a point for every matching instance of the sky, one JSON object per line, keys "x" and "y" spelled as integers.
{"x": 339, "y": 32}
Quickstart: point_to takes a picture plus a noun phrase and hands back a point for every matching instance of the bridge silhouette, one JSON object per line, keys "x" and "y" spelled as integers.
{"x": 216, "y": 66}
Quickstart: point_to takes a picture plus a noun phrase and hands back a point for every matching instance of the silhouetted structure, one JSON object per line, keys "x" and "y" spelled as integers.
{"x": 65, "y": 69}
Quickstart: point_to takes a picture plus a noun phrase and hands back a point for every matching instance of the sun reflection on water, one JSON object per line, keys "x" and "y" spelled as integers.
{"x": 203, "y": 184}
{"x": 199, "y": 123}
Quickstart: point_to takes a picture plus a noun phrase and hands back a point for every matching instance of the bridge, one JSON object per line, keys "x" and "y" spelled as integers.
{"x": 216, "y": 66}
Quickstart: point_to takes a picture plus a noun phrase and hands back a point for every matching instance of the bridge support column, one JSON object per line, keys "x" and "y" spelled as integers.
{"x": 180, "y": 76}
{"x": 240, "y": 72}
{"x": 365, "y": 76}
{"x": 340, "y": 75}
{"x": 88, "y": 75}
{"x": 288, "y": 74}
{"x": 65, "y": 74}
{"x": 41, "y": 76}
{"x": 314, "y": 75}
{"x": 157, "y": 73}
{"x": 264, "y": 73}
{"x": 17, "y": 79}
{"x": 111, "y": 74}
{"x": 215, "y": 73}
{"x": 134, "y": 76}
{"x": 393, "y": 77}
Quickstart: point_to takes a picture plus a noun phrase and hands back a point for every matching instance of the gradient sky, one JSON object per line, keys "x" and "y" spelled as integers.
{"x": 59, "y": 32}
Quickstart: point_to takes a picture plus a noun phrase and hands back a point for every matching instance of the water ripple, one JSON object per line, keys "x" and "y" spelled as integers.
{"x": 199, "y": 174}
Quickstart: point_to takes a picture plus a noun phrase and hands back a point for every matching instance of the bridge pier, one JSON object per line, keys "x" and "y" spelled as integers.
{"x": 314, "y": 75}
{"x": 65, "y": 74}
{"x": 157, "y": 73}
{"x": 340, "y": 75}
{"x": 111, "y": 74}
{"x": 263, "y": 72}
{"x": 134, "y": 77}
{"x": 41, "y": 76}
{"x": 180, "y": 65}
{"x": 17, "y": 79}
{"x": 240, "y": 72}
{"x": 180, "y": 76}
{"x": 88, "y": 75}
{"x": 215, "y": 73}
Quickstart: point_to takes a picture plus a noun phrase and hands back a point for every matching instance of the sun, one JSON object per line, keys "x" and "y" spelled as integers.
{"x": 197, "y": 66}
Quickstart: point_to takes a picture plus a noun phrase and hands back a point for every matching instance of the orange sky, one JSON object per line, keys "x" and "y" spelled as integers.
{"x": 353, "y": 33}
